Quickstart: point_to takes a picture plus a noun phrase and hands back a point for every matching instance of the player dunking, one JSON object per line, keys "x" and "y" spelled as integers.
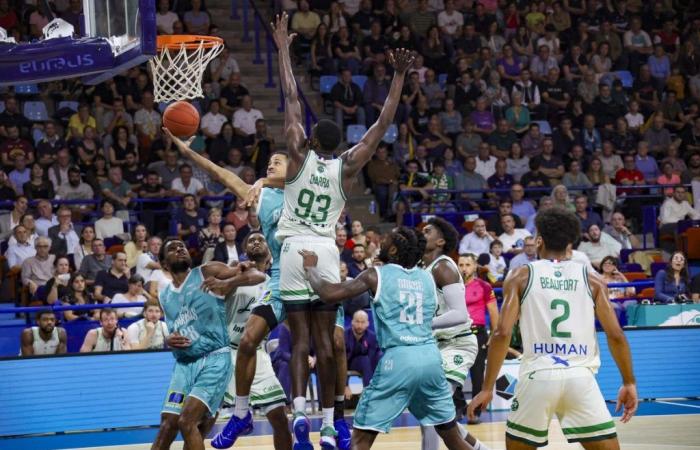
{"x": 410, "y": 373}
{"x": 314, "y": 197}
{"x": 194, "y": 311}
{"x": 557, "y": 302}
{"x": 267, "y": 311}
{"x": 457, "y": 345}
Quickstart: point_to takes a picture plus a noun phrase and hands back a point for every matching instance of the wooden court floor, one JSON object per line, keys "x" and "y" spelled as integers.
{"x": 668, "y": 432}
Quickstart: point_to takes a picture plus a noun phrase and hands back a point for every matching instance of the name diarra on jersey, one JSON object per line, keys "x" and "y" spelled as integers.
{"x": 320, "y": 181}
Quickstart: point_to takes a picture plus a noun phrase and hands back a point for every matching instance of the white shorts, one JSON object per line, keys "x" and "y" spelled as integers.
{"x": 266, "y": 391}
{"x": 458, "y": 356}
{"x": 571, "y": 394}
{"x": 294, "y": 288}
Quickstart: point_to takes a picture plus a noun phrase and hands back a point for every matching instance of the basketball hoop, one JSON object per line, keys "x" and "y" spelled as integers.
{"x": 179, "y": 66}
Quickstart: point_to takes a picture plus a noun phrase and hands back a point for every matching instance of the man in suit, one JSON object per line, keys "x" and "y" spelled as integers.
{"x": 226, "y": 252}
{"x": 9, "y": 221}
{"x": 64, "y": 236}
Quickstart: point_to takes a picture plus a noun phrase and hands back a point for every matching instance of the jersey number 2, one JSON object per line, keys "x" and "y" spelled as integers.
{"x": 411, "y": 307}
{"x": 306, "y": 201}
{"x": 557, "y": 321}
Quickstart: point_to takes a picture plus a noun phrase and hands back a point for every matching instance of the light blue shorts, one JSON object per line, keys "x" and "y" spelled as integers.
{"x": 205, "y": 379}
{"x": 406, "y": 377}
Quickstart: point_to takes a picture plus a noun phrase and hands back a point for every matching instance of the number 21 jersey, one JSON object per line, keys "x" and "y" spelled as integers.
{"x": 313, "y": 200}
{"x": 557, "y": 318}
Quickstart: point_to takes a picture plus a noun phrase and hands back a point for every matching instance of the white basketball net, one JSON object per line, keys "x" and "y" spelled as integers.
{"x": 178, "y": 72}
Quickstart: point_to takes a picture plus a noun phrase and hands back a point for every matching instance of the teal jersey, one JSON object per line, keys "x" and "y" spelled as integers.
{"x": 404, "y": 306}
{"x": 196, "y": 315}
{"x": 270, "y": 205}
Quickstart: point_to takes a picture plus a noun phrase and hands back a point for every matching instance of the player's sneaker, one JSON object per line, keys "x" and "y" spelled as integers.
{"x": 301, "y": 427}
{"x": 235, "y": 428}
{"x": 344, "y": 437}
{"x": 328, "y": 435}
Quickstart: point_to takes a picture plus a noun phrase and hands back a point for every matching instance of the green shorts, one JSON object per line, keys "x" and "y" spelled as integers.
{"x": 402, "y": 381}
{"x": 205, "y": 379}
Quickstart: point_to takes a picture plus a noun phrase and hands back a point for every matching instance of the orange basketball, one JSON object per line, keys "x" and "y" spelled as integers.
{"x": 182, "y": 119}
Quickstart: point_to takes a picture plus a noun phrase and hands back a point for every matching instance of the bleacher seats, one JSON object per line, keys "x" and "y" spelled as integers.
{"x": 359, "y": 80}
{"x": 626, "y": 77}
{"x": 392, "y": 133}
{"x": 36, "y": 111}
{"x": 545, "y": 127}
{"x": 27, "y": 89}
{"x": 327, "y": 82}
{"x": 355, "y": 133}
{"x": 37, "y": 135}
{"x": 68, "y": 104}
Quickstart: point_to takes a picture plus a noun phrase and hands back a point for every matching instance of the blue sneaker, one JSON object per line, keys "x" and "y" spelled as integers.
{"x": 328, "y": 435}
{"x": 234, "y": 428}
{"x": 301, "y": 427}
{"x": 344, "y": 437}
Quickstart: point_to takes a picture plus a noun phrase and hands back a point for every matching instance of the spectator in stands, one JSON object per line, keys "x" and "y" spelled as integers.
{"x": 132, "y": 171}
{"x": 38, "y": 186}
{"x": 560, "y": 197}
{"x": 148, "y": 121}
{"x": 186, "y": 183}
{"x": 610, "y": 161}
{"x": 7, "y": 189}
{"x": 190, "y": 218}
{"x": 673, "y": 210}
{"x": 109, "y": 337}
{"x": 239, "y": 217}
{"x": 529, "y": 91}
{"x": 659, "y": 66}
{"x": 609, "y": 271}
{"x": 575, "y": 178}
{"x": 210, "y": 236}
{"x": 45, "y": 338}
{"x": 21, "y": 249}
{"x": 628, "y": 175}
{"x": 502, "y": 140}
{"x": 485, "y": 163}
{"x": 38, "y": 269}
{"x": 75, "y": 189}
{"x": 512, "y": 238}
{"x": 690, "y": 138}
{"x": 84, "y": 246}
{"x": 361, "y": 347}
{"x": 80, "y": 120}
{"x": 120, "y": 146}
{"x": 136, "y": 245}
{"x": 668, "y": 177}
{"x": 88, "y": 149}
{"x": 8, "y": 17}
{"x": 347, "y": 100}
{"x": 521, "y": 207}
{"x": 227, "y": 251}
{"x": 672, "y": 284}
{"x": 212, "y": 121}
{"x": 693, "y": 171}
{"x": 118, "y": 192}
{"x": 134, "y": 294}
{"x": 148, "y": 333}
{"x": 341, "y": 238}
{"x": 147, "y": 262}
{"x": 113, "y": 120}
{"x": 375, "y": 92}
{"x": 244, "y": 120}
{"x": 109, "y": 226}
{"x": 599, "y": 245}
{"x": 197, "y": 20}
{"x": 484, "y": 122}
{"x": 359, "y": 261}
{"x": 98, "y": 261}
{"x": 638, "y": 44}
{"x": 533, "y": 141}
{"x": 97, "y": 173}
{"x": 49, "y": 145}
{"x": 57, "y": 287}
{"x": 619, "y": 231}
{"x": 596, "y": 175}
{"x": 528, "y": 255}
{"x": 413, "y": 191}
{"x": 114, "y": 281}
{"x": 586, "y": 217}
{"x": 468, "y": 141}
{"x": 500, "y": 180}
{"x": 20, "y": 175}
{"x": 384, "y": 176}
{"x": 550, "y": 164}
{"x": 45, "y": 217}
{"x": 165, "y": 18}
{"x": 439, "y": 179}
{"x": 658, "y": 137}
{"x": 232, "y": 94}
{"x": 27, "y": 221}
{"x": 64, "y": 238}
{"x": 607, "y": 108}
{"x": 646, "y": 164}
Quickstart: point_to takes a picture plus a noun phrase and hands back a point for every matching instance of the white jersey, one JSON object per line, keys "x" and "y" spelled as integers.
{"x": 137, "y": 330}
{"x": 42, "y": 347}
{"x": 239, "y": 304}
{"x": 105, "y": 344}
{"x": 557, "y": 318}
{"x": 313, "y": 200}
{"x": 458, "y": 330}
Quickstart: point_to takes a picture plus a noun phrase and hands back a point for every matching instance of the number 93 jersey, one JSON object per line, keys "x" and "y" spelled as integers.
{"x": 313, "y": 200}
{"x": 557, "y": 318}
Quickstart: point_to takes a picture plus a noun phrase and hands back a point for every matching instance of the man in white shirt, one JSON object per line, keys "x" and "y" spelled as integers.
{"x": 58, "y": 172}
{"x": 223, "y": 66}
{"x": 21, "y": 250}
{"x": 64, "y": 238}
{"x": 673, "y": 210}
{"x": 187, "y": 184}
{"x": 75, "y": 189}
{"x": 147, "y": 263}
{"x": 485, "y": 163}
{"x": 147, "y": 120}
{"x": 46, "y": 218}
{"x": 212, "y": 121}
{"x": 599, "y": 245}
{"x": 244, "y": 119}
{"x": 513, "y": 239}
{"x": 476, "y": 242}
{"x": 165, "y": 19}
{"x": 450, "y": 21}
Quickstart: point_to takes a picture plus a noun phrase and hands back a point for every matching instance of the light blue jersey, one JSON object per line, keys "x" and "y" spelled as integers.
{"x": 404, "y": 306}
{"x": 196, "y": 315}
{"x": 270, "y": 205}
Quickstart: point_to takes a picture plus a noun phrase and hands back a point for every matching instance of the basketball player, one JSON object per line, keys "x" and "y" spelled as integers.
{"x": 557, "y": 301}
{"x": 44, "y": 339}
{"x": 195, "y": 314}
{"x": 314, "y": 197}
{"x": 410, "y": 373}
{"x": 458, "y": 346}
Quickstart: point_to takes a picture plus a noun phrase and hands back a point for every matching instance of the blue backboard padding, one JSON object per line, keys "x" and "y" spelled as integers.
{"x": 88, "y": 392}
{"x": 666, "y": 361}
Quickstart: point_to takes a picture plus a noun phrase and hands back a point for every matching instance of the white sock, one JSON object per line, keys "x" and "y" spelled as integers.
{"x": 241, "y": 408}
{"x": 462, "y": 431}
{"x": 478, "y": 445}
{"x": 339, "y": 398}
{"x": 299, "y": 404}
{"x": 327, "y": 417}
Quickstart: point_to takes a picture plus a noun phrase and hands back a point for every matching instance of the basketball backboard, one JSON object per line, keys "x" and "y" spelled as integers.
{"x": 115, "y": 35}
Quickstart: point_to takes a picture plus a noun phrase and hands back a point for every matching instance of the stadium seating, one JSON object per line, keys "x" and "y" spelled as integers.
{"x": 36, "y": 111}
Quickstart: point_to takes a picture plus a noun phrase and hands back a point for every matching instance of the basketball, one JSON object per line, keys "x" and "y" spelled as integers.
{"x": 181, "y": 118}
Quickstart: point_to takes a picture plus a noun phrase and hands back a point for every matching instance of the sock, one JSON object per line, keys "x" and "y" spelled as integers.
{"x": 241, "y": 408}
{"x": 327, "y": 417}
{"x": 462, "y": 432}
{"x": 430, "y": 440}
{"x": 478, "y": 445}
{"x": 339, "y": 409}
{"x": 299, "y": 405}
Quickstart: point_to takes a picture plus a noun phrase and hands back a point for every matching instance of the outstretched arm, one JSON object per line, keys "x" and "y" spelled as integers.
{"x": 221, "y": 279}
{"x": 449, "y": 280}
{"x": 336, "y": 292}
{"x": 360, "y": 154}
{"x": 293, "y": 128}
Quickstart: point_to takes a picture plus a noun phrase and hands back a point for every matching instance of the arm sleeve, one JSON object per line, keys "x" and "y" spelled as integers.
{"x": 457, "y": 308}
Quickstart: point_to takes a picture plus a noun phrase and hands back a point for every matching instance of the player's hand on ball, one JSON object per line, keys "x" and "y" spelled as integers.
{"x": 627, "y": 398}
{"x": 176, "y": 340}
{"x": 310, "y": 258}
{"x": 401, "y": 59}
{"x": 182, "y": 146}
{"x": 279, "y": 31}
{"x": 481, "y": 400}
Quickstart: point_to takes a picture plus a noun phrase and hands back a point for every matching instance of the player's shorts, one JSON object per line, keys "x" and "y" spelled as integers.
{"x": 340, "y": 318}
{"x": 402, "y": 380}
{"x": 458, "y": 355}
{"x": 204, "y": 379}
{"x": 266, "y": 391}
{"x": 269, "y": 306}
{"x": 570, "y": 394}
{"x": 294, "y": 288}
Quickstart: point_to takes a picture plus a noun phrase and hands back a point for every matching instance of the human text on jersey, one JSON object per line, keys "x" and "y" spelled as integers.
{"x": 549, "y": 348}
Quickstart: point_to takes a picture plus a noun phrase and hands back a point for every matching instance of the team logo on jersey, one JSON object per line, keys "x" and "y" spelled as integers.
{"x": 557, "y": 274}
{"x": 514, "y": 405}
{"x": 558, "y": 360}
{"x": 321, "y": 169}
{"x": 458, "y": 360}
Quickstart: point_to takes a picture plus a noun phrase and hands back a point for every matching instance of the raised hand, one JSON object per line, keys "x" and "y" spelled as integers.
{"x": 182, "y": 146}
{"x": 401, "y": 59}
{"x": 280, "y": 32}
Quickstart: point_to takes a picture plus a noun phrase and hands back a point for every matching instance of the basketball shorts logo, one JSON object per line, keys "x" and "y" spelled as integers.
{"x": 175, "y": 398}
{"x": 458, "y": 360}
{"x": 514, "y": 405}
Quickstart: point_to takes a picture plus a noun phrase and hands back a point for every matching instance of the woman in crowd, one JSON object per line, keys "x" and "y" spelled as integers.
{"x": 97, "y": 173}
{"x": 27, "y": 221}
{"x": 78, "y": 295}
{"x": 509, "y": 66}
{"x": 38, "y": 187}
{"x": 596, "y": 174}
{"x": 575, "y": 178}
{"x": 84, "y": 247}
{"x": 358, "y": 235}
{"x": 57, "y": 287}
{"x": 88, "y": 148}
{"x": 560, "y": 197}
{"x": 522, "y": 44}
{"x": 518, "y": 115}
{"x": 611, "y": 274}
{"x": 210, "y": 236}
{"x": 668, "y": 177}
{"x": 137, "y": 245}
{"x": 346, "y": 51}
{"x": 121, "y": 145}
{"x": 497, "y": 95}
{"x": 517, "y": 163}
{"x": 148, "y": 333}
{"x": 451, "y": 120}
{"x": 108, "y": 226}
{"x": 135, "y": 294}
{"x": 321, "y": 55}
{"x": 453, "y": 167}
{"x": 672, "y": 283}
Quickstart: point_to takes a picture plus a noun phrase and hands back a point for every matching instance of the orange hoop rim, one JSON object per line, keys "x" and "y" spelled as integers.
{"x": 186, "y": 41}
